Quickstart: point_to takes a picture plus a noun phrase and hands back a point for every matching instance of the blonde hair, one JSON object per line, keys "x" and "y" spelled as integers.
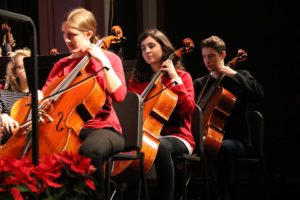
{"x": 11, "y": 79}
{"x": 82, "y": 20}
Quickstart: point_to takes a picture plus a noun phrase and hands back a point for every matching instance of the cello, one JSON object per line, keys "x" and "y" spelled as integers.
{"x": 59, "y": 123}
{"x": 8, "y": 42}
{"x": 217, "y": 105}
{"x": 159, "y": 102}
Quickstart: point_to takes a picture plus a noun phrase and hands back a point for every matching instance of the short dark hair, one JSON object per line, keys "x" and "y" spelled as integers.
{"x": 214, "y": 42}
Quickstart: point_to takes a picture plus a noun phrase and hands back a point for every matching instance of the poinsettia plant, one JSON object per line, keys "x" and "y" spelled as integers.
{"x": 59, "y": 176}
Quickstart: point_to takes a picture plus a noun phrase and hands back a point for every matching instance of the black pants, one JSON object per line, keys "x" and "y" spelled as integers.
{"x": 225, "y": 167}
{"x": 98, "y": 144}
{"x": 165, "y": 172}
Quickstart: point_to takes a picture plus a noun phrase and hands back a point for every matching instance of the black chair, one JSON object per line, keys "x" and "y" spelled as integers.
{"x": 255, "y": 122}
{"x": 130, "y": 114}
{"x": 197, "y": 156}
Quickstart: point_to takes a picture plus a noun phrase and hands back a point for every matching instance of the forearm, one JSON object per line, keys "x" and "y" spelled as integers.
{"x": 112, "y": 81}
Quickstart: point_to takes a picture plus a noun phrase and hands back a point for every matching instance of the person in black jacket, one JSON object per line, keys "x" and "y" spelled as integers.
{"x": 236, "y": 139}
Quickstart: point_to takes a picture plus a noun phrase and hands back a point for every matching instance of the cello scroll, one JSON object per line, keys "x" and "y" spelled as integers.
{"x": 115, "y": 37}
{"x": 241, "y": 56}
{"x": 8, "y": 42}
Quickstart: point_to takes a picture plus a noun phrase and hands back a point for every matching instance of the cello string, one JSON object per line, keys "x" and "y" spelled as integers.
{"x": 71, "y": 76}
{"x": 159, "y": 92}
{"x": 201, "y": 93}
{"x": 95, "y": 74}
{"x": 44, "y": 104}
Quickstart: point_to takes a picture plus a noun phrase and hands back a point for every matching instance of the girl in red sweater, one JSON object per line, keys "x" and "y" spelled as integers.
{"x": 102, "y": 135}
{"x": 175, "y": 137}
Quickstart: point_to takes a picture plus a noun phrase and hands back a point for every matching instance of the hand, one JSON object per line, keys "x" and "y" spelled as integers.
{"x": 97, "y": 52}
{"x": 44, "y": 103}
{"x": 40, "y": 96}
{"x": 227, "y": 71}
{"x": 168, "y": 67}
{"x": 9, "y": 124}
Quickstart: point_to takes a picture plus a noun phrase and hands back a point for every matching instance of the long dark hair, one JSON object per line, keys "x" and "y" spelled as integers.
{"x": 142, "y": 71}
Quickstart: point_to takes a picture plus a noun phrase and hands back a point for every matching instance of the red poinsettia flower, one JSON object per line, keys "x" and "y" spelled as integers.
{"x": 16, "y": 194}
{"x": 54, "y": 174}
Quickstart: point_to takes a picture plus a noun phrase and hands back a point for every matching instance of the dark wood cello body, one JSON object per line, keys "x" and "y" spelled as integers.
{"x": 217, "y": 104}
{"x": 214, "y": 116}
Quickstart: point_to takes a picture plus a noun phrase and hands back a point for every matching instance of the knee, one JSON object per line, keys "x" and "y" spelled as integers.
{"x": 164, "y": 152}
{"x": 91, "y": 151}
{"x": 85, "y": 150}
{"x": 165, "y": 145}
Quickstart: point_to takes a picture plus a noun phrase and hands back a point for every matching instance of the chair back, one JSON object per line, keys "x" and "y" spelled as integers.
{"x": 130, "y": 114}
{"x": 255, "y": 122}
{"x": 197, "y": 130}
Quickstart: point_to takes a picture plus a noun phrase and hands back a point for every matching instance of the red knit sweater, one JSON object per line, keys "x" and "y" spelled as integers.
{"x": 181, "y": 125}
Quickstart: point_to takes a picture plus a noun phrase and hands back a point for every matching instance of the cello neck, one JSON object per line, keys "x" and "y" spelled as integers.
{"x": 156, "y": 77}
{"x": 150, "y": 85}
{"x": 241, "y": 56}
{"x": 188, "y": 46}
{"x": 203, "y": 101}
{"x": 71, "y": 76}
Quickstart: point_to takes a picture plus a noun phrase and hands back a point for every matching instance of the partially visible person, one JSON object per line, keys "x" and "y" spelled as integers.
{"x": 101, "y": 136}
{"x": 154, "y": 49}
{"x": 16, "y": 87}
{"x": 236, "y": 142}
